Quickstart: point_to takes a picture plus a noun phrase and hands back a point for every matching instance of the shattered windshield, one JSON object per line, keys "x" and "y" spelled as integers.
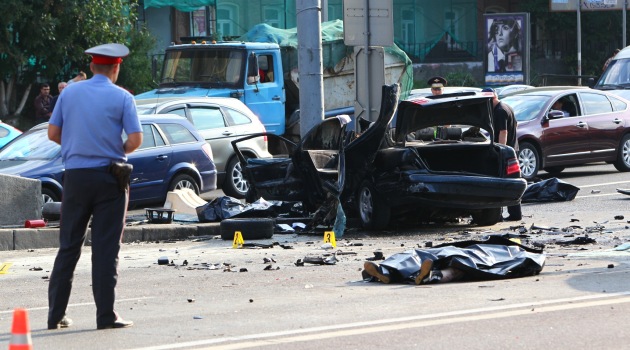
{"x": 31, "y": 146}
{"x": 204, "y": 65}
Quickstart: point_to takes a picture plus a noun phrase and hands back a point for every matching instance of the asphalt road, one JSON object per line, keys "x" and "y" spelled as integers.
{"x": 580, "y": 300}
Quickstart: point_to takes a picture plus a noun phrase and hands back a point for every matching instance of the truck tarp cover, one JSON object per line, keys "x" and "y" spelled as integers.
{"x": 334, "y": 50}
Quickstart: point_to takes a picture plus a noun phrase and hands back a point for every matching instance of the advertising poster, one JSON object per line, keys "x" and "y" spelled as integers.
{"x": 507, "y": 56}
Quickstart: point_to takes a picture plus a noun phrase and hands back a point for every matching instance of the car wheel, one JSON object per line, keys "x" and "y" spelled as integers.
{"x": 487, "y": 217}
{"x": 528, "y": 160}
{"x": 623, "y": 157}
{"x": 250, "y": 228}
{"x": 235, "y": 184}
{"x": 49, "y": 196}
{"x": 182, "y": 181}
{"x": 374, "y": 213}
{"x": 554, "y": 169}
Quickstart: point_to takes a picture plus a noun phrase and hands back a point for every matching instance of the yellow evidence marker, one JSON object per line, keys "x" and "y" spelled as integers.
{"x": 238, "y": 240}
{"x": 4, "y": 268}
{"x": 329, "y": 237}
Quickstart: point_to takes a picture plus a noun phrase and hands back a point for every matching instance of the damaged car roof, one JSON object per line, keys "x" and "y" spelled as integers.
{"x": 469, "y": 108}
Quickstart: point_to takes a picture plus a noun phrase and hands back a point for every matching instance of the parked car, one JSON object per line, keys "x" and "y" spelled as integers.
{"x": 219, "y": 120}
{"x": 508, "y": 89}
{"x": 173, "y": 155}
{"x": 596, "y": 129}
{"x": 382, "y": 178}
{"x": 7, "y": 133}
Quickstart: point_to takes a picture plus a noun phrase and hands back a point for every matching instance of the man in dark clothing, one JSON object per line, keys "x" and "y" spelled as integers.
{"x": 504, "y": 124}
{"x": 42, "y": 104}
{"x": 62, "y": 85}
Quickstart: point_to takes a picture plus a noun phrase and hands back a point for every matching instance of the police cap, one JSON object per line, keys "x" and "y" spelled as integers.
{"x": 108, "y": 53}
{"x": 436, "y": 82}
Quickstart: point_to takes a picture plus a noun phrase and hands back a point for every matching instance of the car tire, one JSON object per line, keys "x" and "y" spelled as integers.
{"x": 49, "y": 196}
{"x": 528, "y": 160}
{"x": 554, "y": 169}
{"x": 250, "y": 228}
{"x": 373, "y": 211}
{"x": 623, "y": 156}
{"x": 235, "y": 184}
{"x": 487, "y": 217}
{"x": 182, "y": 181}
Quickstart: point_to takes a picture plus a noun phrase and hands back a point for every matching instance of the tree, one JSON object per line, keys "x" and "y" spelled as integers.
{"x": 45, "y": 40}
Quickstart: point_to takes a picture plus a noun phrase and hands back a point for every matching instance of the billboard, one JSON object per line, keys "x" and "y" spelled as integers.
{"x": 586, "y": 5}
{"x": 507, "y": 57}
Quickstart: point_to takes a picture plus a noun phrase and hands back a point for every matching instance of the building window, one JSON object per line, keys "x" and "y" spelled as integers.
{"x": 272, "y": 16}
{"x": 226, "y": 16}
{"x": 407, "y": 26}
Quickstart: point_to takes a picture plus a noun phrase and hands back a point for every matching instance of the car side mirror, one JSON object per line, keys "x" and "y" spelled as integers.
{"x": 555, "y": 114}
{"x": 591, "y": 82}
{"x": 252, "y": 69}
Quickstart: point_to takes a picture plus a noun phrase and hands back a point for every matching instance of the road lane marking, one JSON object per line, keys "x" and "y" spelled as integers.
{"x": 418, "y": 321}
{"x": 598, "y": 195}
{"x": 78, "y": 304}
{"x": 605, "y": 184}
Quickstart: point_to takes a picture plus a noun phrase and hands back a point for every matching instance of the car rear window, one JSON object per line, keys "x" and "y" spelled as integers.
{"x": 207, "y": 118}
{"x": 618, "y": 105}
{"x": 151, "y": 137}
{"x": 237, "y": 117}
{"x": 177, "y": 133}
{"x": 596, "y": 104}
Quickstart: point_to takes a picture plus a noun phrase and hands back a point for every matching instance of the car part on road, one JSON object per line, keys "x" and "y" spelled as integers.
{"x": 250, "y": 228}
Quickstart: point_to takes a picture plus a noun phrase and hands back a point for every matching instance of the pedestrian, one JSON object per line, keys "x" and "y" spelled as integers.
{"x": 504, "y": 124}
{"x": 42, "y": 104}
{"x": 437, "y": 85}
{"x": 79, "y": 77}
{"x": 88, "y": 122}
{"x": 62, "y": 85}
{"x": 610, "y": 59}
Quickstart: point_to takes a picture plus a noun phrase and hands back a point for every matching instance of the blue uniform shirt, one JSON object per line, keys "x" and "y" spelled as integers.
{"x": 92, "y": 115}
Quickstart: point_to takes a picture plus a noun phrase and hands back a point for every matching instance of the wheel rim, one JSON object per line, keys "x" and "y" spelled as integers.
{"x": 366, "y": 206}
{"x": 527, "y": 162}
{"x": 240, "y": 184}
{"x": 625, "y": 152}
{"x": 47, "y": 199}
{"x": 184, "y": 184}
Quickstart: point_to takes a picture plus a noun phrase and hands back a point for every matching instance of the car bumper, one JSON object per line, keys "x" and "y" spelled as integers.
{"x": 453, "y": 191}
{"x": 208, "y": 180}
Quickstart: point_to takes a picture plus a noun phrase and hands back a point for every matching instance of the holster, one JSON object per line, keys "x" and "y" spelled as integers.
{"x": 122, "y": 173}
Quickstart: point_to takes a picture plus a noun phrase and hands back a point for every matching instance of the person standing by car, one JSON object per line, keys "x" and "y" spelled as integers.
{"x": 88, "y": 123}
{"x": 62, "y": 85}
{"x": 437, "y": 85}
{"x": 504, "y": 124}
{"x": 42, "y": 104}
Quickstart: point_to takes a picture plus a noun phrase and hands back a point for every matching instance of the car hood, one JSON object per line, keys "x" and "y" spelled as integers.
{"x": 474, "y": 109}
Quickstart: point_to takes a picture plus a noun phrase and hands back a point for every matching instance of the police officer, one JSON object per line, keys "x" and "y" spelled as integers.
{"x": 88, "y": 122}
{"x": 437, "y": 85}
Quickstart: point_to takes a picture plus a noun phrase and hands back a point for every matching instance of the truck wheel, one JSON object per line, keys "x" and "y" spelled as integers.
{"x": 235, "y": 184}
{"x": 250, "y": 228}
{"x": 374, "y": 212}
{"x": 528, "y": 160}
{"x": 623, "y": 157}
{"x": 182, "y": 181}
{"x": 487, "y": 217}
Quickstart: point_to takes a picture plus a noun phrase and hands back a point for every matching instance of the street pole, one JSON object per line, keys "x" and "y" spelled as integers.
{"x": 311, "y": 87}
{"x": 623, "y": 16}
{"x": 579, "y": 45}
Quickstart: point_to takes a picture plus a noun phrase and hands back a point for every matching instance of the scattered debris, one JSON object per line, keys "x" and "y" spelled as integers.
{"x": 624, "y": 246}
{"x": 197, "y": 317}
{"x": 619, "y": 217}
{"x": 611, "y": 266}
{"x": 595, "y": 191}
{"x": 624, "y": 191}
{"x": 242, "y": 269}
{"x": 578, "y": 240}
{"x": 378, "y": 255}
{"x": 35, "y": 269}
{"x": 320, "y": 260}
{"x": 163, "y": 260}
{"x": 191, "y": 300}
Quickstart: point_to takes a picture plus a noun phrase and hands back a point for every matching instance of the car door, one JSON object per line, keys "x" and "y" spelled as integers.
{"x": 151, "y": 162}
{"x": 211, "y": 123}
{"x": 565, "y": 140}
{"x": 605, "y": 124}
{"x": 267, "y": 98}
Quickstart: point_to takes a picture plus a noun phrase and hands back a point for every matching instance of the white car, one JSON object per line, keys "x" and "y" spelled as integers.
{"x": 219, "y": 120}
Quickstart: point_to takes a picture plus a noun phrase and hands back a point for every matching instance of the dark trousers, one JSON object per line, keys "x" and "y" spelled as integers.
{"x": 88, "y": 192}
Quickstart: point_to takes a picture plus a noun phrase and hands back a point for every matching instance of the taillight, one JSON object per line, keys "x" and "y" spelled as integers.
{"x": 207, "y": 150}
{"x": 513, "y": 167}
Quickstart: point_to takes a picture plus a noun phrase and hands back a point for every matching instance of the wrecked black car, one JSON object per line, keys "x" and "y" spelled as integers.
{"x": 418, "y": 169}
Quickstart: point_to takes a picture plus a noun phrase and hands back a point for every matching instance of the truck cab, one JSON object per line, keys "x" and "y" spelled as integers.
{"x": 250, "y": 72}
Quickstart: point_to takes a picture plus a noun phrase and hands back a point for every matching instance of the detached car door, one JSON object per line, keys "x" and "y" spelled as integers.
{"x": 151, "y": 163}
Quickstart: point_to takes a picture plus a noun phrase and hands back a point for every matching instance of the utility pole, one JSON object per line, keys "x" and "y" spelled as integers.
{"x": 579, "y": 44}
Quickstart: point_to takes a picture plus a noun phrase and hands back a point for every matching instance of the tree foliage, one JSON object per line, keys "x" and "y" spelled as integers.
{"x": 45, "y": 40}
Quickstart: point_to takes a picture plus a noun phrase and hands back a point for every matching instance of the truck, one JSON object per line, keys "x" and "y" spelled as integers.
{"x": 262, "y": 72}
{"x": 616, "y": 77}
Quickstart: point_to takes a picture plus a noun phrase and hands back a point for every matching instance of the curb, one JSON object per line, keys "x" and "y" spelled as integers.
{"x": 28, "y": 238}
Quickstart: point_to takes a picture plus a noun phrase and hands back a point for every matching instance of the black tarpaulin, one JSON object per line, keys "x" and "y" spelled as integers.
{"x": 550, "y": 190}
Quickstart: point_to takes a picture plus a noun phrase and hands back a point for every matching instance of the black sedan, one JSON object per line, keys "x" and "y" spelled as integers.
{"x": 417, "y": 170}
